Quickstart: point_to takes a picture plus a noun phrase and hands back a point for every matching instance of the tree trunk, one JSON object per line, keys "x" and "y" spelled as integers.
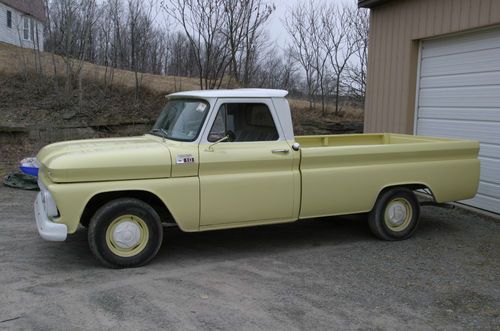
{"x": 337, "y": 95}
{"x": 80, "y": 89}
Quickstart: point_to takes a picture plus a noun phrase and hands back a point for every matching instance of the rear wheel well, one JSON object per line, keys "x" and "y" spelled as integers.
{"x": 100, "y": 199}
{"x": 421, "y": 188}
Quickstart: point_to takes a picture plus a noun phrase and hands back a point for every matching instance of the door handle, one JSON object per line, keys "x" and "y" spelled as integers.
{"x": 282, "y": 150}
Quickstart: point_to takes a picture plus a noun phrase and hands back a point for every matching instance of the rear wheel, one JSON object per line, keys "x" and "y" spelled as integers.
{"x": 125, "y": 233}
{"x": 395, "y": 215}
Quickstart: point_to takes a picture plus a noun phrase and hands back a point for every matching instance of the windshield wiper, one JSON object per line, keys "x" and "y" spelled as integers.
{"x": 162, "y": 131}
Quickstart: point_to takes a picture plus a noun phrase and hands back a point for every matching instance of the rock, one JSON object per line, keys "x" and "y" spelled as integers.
{"x": 69, "y": 115}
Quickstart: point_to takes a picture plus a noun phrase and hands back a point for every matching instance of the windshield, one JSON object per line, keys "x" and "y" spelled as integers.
{"x": 181, "y": 119}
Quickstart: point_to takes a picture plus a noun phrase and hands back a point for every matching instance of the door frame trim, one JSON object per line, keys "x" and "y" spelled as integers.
{"x": 417, "y": 88}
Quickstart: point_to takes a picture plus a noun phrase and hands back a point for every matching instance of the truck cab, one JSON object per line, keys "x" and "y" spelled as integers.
{"x": 241, "y": 149}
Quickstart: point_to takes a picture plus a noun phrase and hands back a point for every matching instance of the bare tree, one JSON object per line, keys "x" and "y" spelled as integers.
{"x": 140, "y": 29}
{"x": 71, "y": 22}
{"x": 328, "y": 40}
{"x": 340, "y": 43}
{"x": 357, "y": 71}
{"x": 88, "y": 20}
{"x": 277, "y": 70}
{"x": 299, "y": 23}
{"x": 320, "y": 55}
{"x": 118, "y": 42}
{"x": 245, "y": 22}
{"x": 204, "y": 25}
{"x": 104, "y": 36}
{"x": 179, "y": 58}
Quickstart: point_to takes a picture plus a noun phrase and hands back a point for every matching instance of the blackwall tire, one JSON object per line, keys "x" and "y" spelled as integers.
{"x": 395, "y": 215}
{"x": 125, "y": 233}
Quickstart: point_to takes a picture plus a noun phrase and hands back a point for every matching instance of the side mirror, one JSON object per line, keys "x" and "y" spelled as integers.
{"x": 211, "y": 146}
{"x": 214, "y": 136}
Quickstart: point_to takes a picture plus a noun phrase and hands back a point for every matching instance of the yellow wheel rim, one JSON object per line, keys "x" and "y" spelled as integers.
{"x": 127, "y": 235}
{"x": 398, "y": 214}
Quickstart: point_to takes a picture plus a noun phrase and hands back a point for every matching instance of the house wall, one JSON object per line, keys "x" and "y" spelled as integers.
{"x": 395, "y": 30}
{"x": 15, "y": 34}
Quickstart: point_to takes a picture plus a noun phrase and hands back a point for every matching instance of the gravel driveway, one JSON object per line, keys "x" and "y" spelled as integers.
{"x": 318, "y": 274}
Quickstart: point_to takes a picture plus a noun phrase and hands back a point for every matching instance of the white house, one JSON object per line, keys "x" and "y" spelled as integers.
{"x": 21, "y": 23}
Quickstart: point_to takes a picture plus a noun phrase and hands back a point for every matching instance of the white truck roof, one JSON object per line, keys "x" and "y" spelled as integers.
{"x": 234, "y": 93}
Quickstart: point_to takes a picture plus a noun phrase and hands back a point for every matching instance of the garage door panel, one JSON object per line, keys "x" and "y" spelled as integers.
{"x": 462, "y": 113}
{"x": 471, "y": 62}
{"x": 461, "y": 43}
{"x": 469, "y": 79}
{"x": 489, "y": 189}
{"x": 487, "y": 132}
{"x": 490, "y": 150}
{"x": 459, "y": 97}
{"x": 469, "y": 96}
{"x": 489, "y": 170}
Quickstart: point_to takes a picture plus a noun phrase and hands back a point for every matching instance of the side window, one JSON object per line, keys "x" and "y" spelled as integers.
{"x": 244, "y": 122}
{"x": 32, "y": 29}
{"x": 26, "y": 28}
{"x": 9, "y": 19}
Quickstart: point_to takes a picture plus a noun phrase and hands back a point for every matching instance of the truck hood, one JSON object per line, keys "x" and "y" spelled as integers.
{"x": 106, "y": 159}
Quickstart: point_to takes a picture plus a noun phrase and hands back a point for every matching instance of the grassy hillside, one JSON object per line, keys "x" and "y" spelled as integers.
{"x": 15, "y": 60}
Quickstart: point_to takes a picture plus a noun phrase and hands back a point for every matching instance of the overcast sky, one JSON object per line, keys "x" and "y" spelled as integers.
{"x": 275, "y": 27}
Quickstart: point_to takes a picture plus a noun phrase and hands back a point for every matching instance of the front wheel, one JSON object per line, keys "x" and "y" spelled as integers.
{"x": 395, "y": 215}
{"x": 125, "y": 233}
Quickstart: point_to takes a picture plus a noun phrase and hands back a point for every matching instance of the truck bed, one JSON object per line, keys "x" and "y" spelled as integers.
{"x": 344, "y": 174}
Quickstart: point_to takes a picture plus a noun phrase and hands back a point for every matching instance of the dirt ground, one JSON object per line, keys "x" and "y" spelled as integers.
{"x": 318, "y": 274}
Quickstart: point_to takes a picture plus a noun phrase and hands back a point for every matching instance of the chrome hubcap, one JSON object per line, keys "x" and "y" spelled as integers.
{"x": 396, "y": 214}
{"x": 127, "y": 234}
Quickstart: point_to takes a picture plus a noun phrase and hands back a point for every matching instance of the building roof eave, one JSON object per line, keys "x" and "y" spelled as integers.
{"x": 371, "y": 3}
{"x": 35, "y": 8}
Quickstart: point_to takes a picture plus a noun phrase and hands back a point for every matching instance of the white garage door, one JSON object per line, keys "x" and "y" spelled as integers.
{"x": 459, "y": 97}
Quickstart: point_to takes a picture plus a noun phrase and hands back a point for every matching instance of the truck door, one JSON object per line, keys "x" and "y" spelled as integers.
{"x": 248, "y": 171}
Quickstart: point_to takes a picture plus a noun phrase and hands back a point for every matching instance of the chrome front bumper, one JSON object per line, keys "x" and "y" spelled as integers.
{"x": 47, "y": 229}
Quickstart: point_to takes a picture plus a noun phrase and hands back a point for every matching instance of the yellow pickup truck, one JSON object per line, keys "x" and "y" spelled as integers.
{"x": 220, "y": 159}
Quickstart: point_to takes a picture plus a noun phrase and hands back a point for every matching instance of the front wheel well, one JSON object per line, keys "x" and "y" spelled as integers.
{"x": 98, "y": 200}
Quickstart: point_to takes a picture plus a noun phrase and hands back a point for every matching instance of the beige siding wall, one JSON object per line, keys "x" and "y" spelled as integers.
{"x": 395, "y": 31}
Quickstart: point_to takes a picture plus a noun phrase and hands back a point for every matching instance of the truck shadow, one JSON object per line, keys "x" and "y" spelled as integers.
{"x": 271, "y": 239}
{"x": 255, "y": 241}
{"x": 179, "y": 246}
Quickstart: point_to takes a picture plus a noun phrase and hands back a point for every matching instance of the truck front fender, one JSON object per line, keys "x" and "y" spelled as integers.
{"x": 179, "y": 197}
